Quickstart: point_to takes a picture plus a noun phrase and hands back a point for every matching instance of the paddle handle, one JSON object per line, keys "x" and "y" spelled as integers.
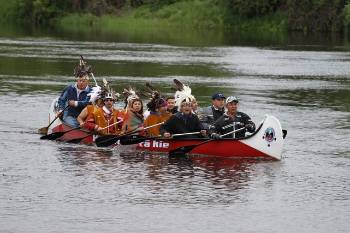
{"x": 57, "y": 117}
{"x": 115, "y": 123}
{"x": 139, "y": 129}
{"x": 181, "y": 134}
{"x": 234, "y": 131}
{"x": 151, "y": 126}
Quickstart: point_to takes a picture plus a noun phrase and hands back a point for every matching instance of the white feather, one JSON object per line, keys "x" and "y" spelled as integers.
{"x": 132, "y": 95}
{"x": 182, "y": 95}
{"x": 95, "y": 94}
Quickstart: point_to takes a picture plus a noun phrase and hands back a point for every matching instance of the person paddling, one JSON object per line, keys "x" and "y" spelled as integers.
{"x": 105, "y": 116}
{"x": 233, "y": 120}
{"x": 134, "y": 116}
{"x": 211, "y": 113}
{"x": 183, "y": 122}
{"x": 75, "y": 95}
{"x": 158, "y": 114}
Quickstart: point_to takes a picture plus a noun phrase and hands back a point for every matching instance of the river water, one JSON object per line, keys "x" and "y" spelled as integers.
{"x": 46, "y": 186}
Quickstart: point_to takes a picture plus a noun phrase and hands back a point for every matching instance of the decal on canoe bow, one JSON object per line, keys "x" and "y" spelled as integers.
{"x": 269, "y": 136}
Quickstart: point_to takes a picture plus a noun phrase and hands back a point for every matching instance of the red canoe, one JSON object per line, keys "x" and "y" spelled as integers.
{"x": 265, "y": 143}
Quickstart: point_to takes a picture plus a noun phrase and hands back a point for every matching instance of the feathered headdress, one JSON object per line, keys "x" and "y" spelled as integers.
{"x": 154, "y": 96}
{"x": 82, "y": 69}
{"x": 183, "y": 93}
{"x": 107, "y": 90}
{"x": 129, "y": 94}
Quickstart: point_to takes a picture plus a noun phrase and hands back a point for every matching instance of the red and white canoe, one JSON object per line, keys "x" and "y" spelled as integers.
{"x": 265, "y": 143}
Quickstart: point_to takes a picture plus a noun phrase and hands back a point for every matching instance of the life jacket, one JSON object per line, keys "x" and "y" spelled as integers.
{"x": 102, "y": 122}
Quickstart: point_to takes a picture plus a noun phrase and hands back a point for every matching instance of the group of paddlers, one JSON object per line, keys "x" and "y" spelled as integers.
{"x": 92, "y": 108}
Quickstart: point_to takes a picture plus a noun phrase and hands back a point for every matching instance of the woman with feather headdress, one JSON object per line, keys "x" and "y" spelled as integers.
{"x": 75, "y": 96}
{"x": 134, "y": 116}
{"x": 158, "y": 113}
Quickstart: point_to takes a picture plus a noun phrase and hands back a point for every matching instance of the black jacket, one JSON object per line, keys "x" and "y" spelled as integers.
{"x": 226, "y": 124}
{"x": 209, "y": 115}
{"x": 180, "y": 123}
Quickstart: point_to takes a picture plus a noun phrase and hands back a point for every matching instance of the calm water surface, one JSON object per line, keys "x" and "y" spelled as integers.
{"x": 56, "y": 187}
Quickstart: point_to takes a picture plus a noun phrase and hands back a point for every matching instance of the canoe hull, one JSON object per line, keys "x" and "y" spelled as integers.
{"x": 265, "y": 143}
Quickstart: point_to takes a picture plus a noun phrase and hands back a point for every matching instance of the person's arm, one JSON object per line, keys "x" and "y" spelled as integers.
{"x": 165, "y": 129}
{"x": 198, "y": 126}
{"x": 249, "y": 124}
{"x": 82, "y": 117}
{"x": 85, "y": 101}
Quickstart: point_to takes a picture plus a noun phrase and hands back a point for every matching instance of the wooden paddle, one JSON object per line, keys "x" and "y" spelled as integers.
{"x": 44, "y": 130}
{"x": 186, "y": 149}
{"x": 56, "y": 135}
{"x": 135, "y": 139}
{"x": 77, "y": 140}
{"x": 108, "y": 140}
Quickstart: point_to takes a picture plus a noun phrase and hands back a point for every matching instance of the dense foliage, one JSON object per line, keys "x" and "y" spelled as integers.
{"x": 304, "y": 15}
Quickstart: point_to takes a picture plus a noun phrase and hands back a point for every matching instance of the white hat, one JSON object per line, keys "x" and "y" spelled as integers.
{"x": 109, "y": 96}
{"x": 231, "y": 99}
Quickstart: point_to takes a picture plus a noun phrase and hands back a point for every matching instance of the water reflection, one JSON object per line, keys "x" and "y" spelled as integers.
{"x": 201, "y": 178}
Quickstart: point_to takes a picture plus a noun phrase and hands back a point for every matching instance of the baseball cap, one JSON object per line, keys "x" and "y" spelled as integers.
{"x": 217, "y": 96}
{"x": 231, "y": 99}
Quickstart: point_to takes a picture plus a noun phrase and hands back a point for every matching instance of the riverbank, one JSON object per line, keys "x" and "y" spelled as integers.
{"x": 182, "y": 15}
{"x": 191, "y": 22}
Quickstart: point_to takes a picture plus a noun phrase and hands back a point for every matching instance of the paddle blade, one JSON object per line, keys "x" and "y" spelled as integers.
{"x": 43, "y": 130}
{"x": 52, "y": 136}
{"x": 75, "y": 140}
{"x": 105, "y": 141}
{"x": 181, "y": 151}
{"x": 133, "y": 139}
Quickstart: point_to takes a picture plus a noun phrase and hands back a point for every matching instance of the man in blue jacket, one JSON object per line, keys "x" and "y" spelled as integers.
{"x": 75, "y": 96}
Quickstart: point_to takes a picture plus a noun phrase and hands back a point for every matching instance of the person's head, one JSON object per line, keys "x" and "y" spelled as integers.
{"x": 171, "y": 102}
{"x": 99, "y": 102}
{"x": 161, "y": 105}
{"x": 232, "y": 104}
{"x": 82, "y": 81}
{"x": 218, "y": 100}
{"x": 136, "y": 106}
{"x": 186, "y": 106}
{"x": 194, "y": 105}
{"x": 109, "y": 100}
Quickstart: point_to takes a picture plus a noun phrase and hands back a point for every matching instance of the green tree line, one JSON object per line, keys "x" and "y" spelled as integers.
{"x": 304, "y": 15}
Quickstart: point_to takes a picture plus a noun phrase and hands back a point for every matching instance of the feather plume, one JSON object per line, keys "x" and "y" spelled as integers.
{"x": 108, "y": 90}
{"x": 129, "y": 94}
{"x": 179, "y": 85}
{"x": 82, "y": 69}
{"x": 154, "y": 95}
{"x": 183, "y": 93}
{"x": 95, "y": 94}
